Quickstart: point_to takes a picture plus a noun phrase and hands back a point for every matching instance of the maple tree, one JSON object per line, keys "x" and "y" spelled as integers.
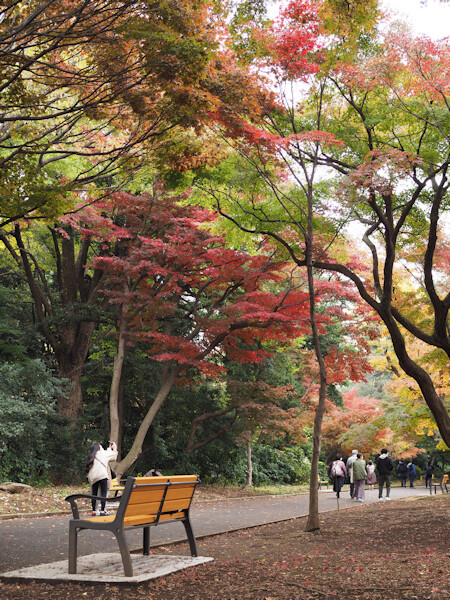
{"x": 354, "y": 425}
{"x": 368, "y": 424}
{"x": 80, "y": 115}
{"x": 399, "y": 190}
{"x": 273, "y": 402}
{"x": 90, "y": 92}
{"x": 182, "y": 291}
{"x": 293, "y": 52}
{"x": 260, "y": 406}
{"x": 379, "y": 120}
{"x": 190, "y": 298}
{"x": 264, "y": 414}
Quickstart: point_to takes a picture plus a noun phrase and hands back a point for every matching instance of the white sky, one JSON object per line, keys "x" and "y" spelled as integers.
{"x": 429, "y": 17}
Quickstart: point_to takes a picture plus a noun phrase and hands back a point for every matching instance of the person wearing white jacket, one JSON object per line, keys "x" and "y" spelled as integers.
{"x": 99, "y": 472}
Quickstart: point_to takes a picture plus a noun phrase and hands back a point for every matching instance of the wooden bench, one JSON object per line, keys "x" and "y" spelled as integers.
{"x": 323, "y": 482}
{"x": 442, "y": 483}
{"x": 116, "y": 487}
{"x": 145, "y": 502}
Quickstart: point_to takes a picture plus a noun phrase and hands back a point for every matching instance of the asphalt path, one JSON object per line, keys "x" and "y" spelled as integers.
{"x": 27, "y": 542}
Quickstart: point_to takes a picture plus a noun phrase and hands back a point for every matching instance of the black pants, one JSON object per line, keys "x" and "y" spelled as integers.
{"x": 384, "y": 479}
{"x": 103, "y": 485}
{"x": 338, "y": 482}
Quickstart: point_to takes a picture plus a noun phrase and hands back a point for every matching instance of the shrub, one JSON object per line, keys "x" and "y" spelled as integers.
{"x": 288, "y": 466}
{"x": 29, "y": 428}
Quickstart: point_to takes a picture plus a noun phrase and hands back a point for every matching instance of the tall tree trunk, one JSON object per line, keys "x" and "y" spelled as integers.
{"x": 71, "y": 355}
{"x": 249, "y": 481}
{"x": 167, "y": 382}
{"x": 120, "y": 411}
{"x": 114, "y": 390}
{"x": 313, "y": 521}
{"x": 69, "y": 405}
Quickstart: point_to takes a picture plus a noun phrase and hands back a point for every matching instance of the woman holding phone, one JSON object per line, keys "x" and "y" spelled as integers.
{"x": 99, "y": 472}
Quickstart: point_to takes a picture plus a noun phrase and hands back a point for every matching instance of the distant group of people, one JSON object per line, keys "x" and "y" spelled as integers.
{"x": 361, "y": 473}
{"x": 409, "y": 470}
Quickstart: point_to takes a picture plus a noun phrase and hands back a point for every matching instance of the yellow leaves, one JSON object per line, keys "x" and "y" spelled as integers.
{"x": 425, "y": 426}
{"x": 441, "y": 445}
{"x": 345, "y": 23}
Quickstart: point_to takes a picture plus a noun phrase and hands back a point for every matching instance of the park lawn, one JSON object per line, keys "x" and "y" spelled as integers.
{"x": 50, "y": 499}
{"x": 385, "y": 551}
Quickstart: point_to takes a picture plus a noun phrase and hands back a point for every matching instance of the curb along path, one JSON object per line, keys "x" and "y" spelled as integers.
{"x": 32, "y": 541}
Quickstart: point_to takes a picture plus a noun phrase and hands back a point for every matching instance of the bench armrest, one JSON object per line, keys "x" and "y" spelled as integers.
{"x": 74, "y": 497}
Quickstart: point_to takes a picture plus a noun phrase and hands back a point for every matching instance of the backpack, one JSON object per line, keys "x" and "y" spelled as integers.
{"x": 336, "y": 470}
{"x": 401, "y": 469}
{"x": 429, "y": 469}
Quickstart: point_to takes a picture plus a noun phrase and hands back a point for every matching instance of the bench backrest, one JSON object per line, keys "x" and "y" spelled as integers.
{"x": 153, "y": 499}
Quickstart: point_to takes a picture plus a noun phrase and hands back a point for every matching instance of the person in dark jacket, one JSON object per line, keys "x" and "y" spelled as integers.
{"x": 412, "y": 473}
{"x": 428, "y": 473}
{"x": 402, "y": 472}
{"x": 384, "y": 466}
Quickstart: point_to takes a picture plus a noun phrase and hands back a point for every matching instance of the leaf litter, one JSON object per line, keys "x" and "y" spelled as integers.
{"x": 395, "y": 551}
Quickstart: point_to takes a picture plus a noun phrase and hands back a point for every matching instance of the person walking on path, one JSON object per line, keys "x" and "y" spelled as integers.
{"x": 402, "y": 472}
{"x": 99, "y": 473}
{"x": 350, "y": 460}
{"x": 371, "y": 477}
{"x": 428, "y": 473}
{"x": 359, "y": 477}
{"x": 412, "y": 473}
{"x": 338, "y": 472}
{"x": 384, "y": 466}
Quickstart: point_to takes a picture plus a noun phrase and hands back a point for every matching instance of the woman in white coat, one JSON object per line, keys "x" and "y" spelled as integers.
{"x": 99, "y": 472}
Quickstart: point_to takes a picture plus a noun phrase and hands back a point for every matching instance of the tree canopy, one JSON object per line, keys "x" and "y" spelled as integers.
{"x": 211, "y": 217}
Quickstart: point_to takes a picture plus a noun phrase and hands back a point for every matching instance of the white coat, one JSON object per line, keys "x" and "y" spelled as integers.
{"x": 100, "y": 467}
{"x": 350, "y": 462}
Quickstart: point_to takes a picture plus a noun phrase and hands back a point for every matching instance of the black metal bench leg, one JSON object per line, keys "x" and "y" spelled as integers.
{"x": 73, "y": 547}
{"x": 146, "y": 541}
{"x": 125, "y": 553}
{"x": 190, "y": 537}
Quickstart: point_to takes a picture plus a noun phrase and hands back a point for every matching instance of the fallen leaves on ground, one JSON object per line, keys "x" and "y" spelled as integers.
{"x": 388, "y": 551}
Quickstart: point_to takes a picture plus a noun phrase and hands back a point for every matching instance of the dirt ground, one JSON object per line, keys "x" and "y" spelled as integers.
{"x": 385, "y": 551}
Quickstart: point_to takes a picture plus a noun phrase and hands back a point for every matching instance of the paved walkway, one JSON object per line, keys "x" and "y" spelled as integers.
{"x": 33, "y": 541}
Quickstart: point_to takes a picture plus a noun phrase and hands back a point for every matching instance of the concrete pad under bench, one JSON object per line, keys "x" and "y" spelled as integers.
{"x": 107, "y": 568}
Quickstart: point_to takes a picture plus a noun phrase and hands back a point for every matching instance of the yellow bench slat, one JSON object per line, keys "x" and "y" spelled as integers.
{"x": 107, "y": 519}
{"x": 138, "y": 520}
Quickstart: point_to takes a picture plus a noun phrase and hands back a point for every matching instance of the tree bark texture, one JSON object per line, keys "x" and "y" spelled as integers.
{"x": 115, "y": 388}
{"x": 313, "y": 522}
